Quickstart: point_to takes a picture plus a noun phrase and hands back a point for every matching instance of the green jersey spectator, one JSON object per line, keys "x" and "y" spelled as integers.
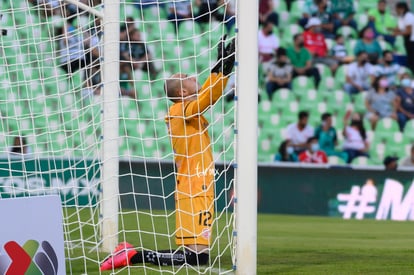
{"x": 328, "y": 139}
{"x": 382, "y": 21}
{"x": 301, "y": 60}
{"x": 367, "y": 43}
{"x": 286, "y": 152}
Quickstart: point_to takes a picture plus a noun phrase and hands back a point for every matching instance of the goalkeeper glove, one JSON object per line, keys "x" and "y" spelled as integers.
{"x": 225, "y": 57}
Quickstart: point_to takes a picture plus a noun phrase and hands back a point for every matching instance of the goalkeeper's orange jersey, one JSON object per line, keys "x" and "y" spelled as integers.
{"x": 188, "y": 129}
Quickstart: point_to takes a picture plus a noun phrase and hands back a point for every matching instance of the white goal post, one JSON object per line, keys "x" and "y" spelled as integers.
{"x": 246, "y": 141}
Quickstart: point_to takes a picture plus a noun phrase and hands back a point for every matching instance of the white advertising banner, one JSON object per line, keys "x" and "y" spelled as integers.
{"x": 31, "y": 236}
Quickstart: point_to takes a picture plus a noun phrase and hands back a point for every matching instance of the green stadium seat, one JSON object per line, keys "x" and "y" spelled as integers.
{"x": 274, "y": 121}
{"x": 347, "y": 32}
{"x": 361, "y": 19}
{"x": 340, "y": 77}
{"x": 327, "y": 84}
{"x": 409, "y": 131}
{"x": 385, "y": 129}
{"x": 266, "y": 148}
{"x": 399, "y": 46}
{"x": 264, "y": 111}
{"x": 288, "y": 33}
{"x": 377, "y": 152}
{"x": 396, "y": 145}
{"x": 362, "y": 160}
{"x": 385, "y": 45}
{"x": 365, "y": 5}
{"x": 296, "y": 10}
{"x": 324, "y": 70}
{"x": 359, "y": 102}
{"x": 335, "y": 160}
{"x": 188, "y": 30}
{"x": 338, "y": 100}
{"x": 281, "y": 98}
{"x": 289, "y": 113}
{"x": 302, "y": 83}
{"x": 308, "y": 98}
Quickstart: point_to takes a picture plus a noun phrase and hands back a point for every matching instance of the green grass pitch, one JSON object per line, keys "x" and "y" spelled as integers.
{"x": 286, "y": 245}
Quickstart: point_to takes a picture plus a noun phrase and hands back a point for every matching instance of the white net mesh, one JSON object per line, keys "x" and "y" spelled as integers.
{"x": 51, "y": 59}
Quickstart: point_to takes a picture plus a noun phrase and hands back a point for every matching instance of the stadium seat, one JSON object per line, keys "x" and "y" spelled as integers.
{"x": 265, "y": 110}
{"x": 289, "y": 113}
{"x": 347, "y": 32}
{"x": 385, "y": 129}
{"x": 279, "y": 5}
{"x": 362, "y": 160}
{"x": 334, "y": 160}
{"x": 377, "y": 152}
{"x": 274, "y": 121}
{"x": 281, "y": 98}
{"x": 338, "y": 100}
{"x": 302, "y": 83}
{"x": 365, "y": 5}
{"x": 340, "y": 76}
{"x": 327, "y": 84}
{"x": 396, "y": 145}
{"x": 288, "y": 33}
{"x": 409, "y": 131}
{"x": 359, "y": 102}
{"x": 266, "y": 146}
{"x": 399, "y": 46}
{"x": 361, "y": 19}
{"x": 308, "y": 99}
{"x": 296, "y": 10}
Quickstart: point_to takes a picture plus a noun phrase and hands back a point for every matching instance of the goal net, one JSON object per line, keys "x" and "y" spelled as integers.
{"x": 57, "y": 116}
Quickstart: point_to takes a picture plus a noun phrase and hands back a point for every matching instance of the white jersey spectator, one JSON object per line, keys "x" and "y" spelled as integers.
{"x": 268, "y": 42}
{"x": 299, "y": 132}
{"x": 359, "y": 75}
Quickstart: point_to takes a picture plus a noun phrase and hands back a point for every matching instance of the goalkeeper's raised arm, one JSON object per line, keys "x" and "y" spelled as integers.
{"x": 184, "y": 89}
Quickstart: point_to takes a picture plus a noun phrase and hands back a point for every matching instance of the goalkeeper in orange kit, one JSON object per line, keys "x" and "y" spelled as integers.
{"x": 194, "y": 198}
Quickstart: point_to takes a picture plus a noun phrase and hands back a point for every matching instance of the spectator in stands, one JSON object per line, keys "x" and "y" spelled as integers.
{"x": 71, "y": 47}
{"x": 382, "y": 22}
{"x": 286, "y": 153}
{"x": 301, "y": 60}
{"x": 20, "y": 146}
{"x": 267, "y": 13}
{"x": 359, "y": 75}
{"x": 405, "y": 101}
{"x": 390, "y": 163}
{"x": 327, "y": 27}
{"x": 393, "y": 71}
{"x": 343, "y": 13}
{"x": 367, "y": 43}
{"x": 279, "y": 73}
{"x": 130, "y": 25}
{"x": 126, "y": 81}
{"x": 409, "y": 160}
{"x": 406, "y": 29}
{"x": 355, "y": 138}
{"x": 339, "y": 51}
{"x": 299, "y": 132}
{"x": 380, "y": 101}
{"x": 180, "y": 11}
{"x": 314, "y": 41}
{"x": 313, "y": 154}
{"x": 136, "y": 52}
{"x": 210, "y": 9}
{"x": 309, "y": 9}
{"x": 327, "y": 137}
{"x": 268, "y": 43}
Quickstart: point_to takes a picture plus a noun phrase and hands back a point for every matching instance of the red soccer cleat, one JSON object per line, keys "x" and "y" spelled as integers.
{"x": 120, "y": 257}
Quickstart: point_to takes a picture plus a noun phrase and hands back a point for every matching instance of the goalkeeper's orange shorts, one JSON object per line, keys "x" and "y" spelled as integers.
{"x": 193, "y": 220}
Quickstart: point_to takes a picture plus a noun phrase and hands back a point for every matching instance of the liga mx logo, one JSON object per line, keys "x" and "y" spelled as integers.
{"x": 31, "y": 258}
